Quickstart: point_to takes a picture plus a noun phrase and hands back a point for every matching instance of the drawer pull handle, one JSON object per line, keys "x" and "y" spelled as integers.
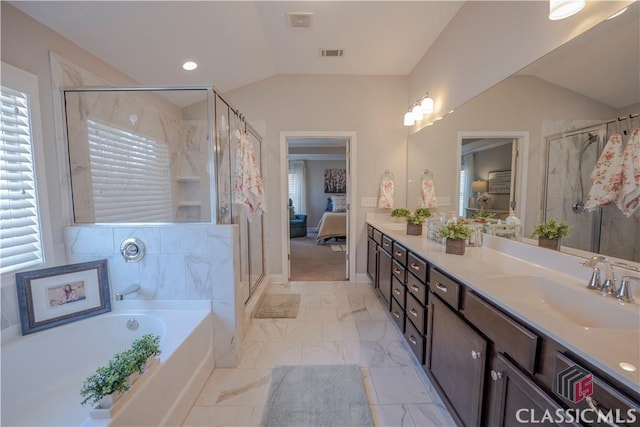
{"x": 475, "y": 355}
{"x": 396, "y": 271}
{"x": 414, "y": 288}
{"x": 413, "y": 312}
{"x": 398, "y": 253}
{"x": 441, "y": 287}
{"x": 385, "y": 244}
{"x": 396, "y": 291}
{"x": 396, "y": 314}
{"x": 413, "y": 340}
{"x": 415, "y": 266}
{"x": 496, "y": 375}
{"x": 602, "y": 413}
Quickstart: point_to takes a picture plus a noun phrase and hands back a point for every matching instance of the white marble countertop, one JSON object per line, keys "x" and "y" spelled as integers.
{"x": 497, "y": 270}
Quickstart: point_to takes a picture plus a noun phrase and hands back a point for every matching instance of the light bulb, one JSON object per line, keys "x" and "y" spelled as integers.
{"x": 427, "y": 105}
{"x": 408, "y": 119}
{"x": 417, "y": 112}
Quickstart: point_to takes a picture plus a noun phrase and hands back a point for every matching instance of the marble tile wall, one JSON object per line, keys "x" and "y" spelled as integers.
{"x": 182, "y": 262}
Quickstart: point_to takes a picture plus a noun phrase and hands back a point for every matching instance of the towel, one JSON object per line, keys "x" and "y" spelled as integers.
{"x": 248, "y": 187}
{"x": 607, "y": 175}
{"x": 428, "y": 198}
{"x": 385, "y": 194}
{"x": 629, "y": 199}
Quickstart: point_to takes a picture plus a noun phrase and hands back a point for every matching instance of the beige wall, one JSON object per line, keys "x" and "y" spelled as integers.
{"x": 371, "y": 106}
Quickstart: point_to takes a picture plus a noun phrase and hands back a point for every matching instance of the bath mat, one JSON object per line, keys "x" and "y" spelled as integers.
{"x": 338, "y": 248}
{"x": 316, "y": 395}
{"x": 274, "y": 306}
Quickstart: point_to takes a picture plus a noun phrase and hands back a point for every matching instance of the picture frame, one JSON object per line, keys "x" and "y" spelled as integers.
{"x": 499, "y": 182}
{"x": 58, "y": 295}
{"x": 335, "y": 181}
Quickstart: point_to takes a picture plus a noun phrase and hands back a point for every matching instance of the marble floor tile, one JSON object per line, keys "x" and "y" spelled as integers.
{"x": 337, "y": 323}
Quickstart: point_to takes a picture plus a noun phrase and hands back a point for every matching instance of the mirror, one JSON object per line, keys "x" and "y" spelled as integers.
{"x": 587, "y": 82}
{"x": 127, "y": 147}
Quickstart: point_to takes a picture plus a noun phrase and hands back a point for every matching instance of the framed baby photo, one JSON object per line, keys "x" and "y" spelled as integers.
{"x": 54, "y": 296}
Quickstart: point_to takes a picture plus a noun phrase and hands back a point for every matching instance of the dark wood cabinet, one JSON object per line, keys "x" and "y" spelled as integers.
{"x": 516, "y": 400}
{"x": 384, "y": 276}
{"x": 372, "y": 260}
{"x": 456, "y": 362}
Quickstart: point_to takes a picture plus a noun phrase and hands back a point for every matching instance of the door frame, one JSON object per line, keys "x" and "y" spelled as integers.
{"x": 350, "y": 136}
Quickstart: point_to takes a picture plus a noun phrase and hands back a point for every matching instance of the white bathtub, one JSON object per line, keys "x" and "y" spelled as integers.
{"x": 42, "y": 373}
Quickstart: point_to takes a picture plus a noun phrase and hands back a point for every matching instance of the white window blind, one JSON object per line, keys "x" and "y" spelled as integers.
{"x": 20, "y": 237}
{"x": 130, "y": 175}
{"x": 463, "y": 193}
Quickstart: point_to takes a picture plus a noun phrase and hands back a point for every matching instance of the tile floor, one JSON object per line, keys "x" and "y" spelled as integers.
{"x": 338, "y": 323}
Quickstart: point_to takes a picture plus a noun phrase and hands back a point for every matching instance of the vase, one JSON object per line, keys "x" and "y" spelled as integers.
{"x": 414, "y": 229}
{"x": 455, "y": 246}
{"x": 554, "y": 244}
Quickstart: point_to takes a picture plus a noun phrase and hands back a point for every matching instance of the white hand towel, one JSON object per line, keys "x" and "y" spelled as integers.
{"x": 385, "y": 194}
{"x": 629, "y": 199}
{"x": 607, "y": 175}
{"x": 428, "y": 197}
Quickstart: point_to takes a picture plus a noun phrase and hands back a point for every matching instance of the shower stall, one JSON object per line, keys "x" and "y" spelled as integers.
{"x": 570, "y": 158}
{"x": 159, "y": 155}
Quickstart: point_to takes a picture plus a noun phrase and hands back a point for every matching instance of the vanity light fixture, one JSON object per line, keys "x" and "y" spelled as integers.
{"x": 409, "y": 119}
{"x": 417, "y": 112}
{"x": 189, "y": 65}
{"x": 561, "y": 9}
{"x": 426, "y": 104}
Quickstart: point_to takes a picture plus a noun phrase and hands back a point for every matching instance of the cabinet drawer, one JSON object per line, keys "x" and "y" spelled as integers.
{"x": 369, "y": 231}
{"x": 417, "y": 266}
{"x": 377, "y": 236}
{"x": 417, "y": 288}
{"x": 445, "y": 288}
{"x": 415, "y": 341}
{"x": 400, "y": 253}
{"x": 604, "y": 398}
{"x": 415, "y": 312}
{"x": 398, "y": 292}
{"x": 397, "y": 270}
{"x": 386, "y": 243}
{"x": 508, "y": 335}
{"x": 397, "y": 313}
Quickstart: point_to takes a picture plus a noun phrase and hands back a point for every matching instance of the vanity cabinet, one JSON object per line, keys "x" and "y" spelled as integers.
{"x": 456, "y": 362}
{"x": 384, "y": 274}
{"x": 372, "y": 260}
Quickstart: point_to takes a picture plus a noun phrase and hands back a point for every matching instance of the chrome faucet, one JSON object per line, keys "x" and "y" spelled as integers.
{"x": 126, "y": 291}
{"x": 624, "y": 292}
{"x": 608, "y": 287}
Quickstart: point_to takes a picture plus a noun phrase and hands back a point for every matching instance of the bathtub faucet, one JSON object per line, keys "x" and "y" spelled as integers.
{"x": 126, "y": 291}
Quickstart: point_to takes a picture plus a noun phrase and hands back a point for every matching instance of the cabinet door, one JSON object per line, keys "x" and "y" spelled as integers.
{"x": 372, "y": 259}
{"x": 456, "y": 361}
{"x": 384, "y": 276}
{"x": 516, "y": 400}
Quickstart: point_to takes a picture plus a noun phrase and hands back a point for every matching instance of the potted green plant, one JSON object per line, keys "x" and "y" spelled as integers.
{"x": 414, "y": 219}
{"x": 456, "y": 232}
{"x": 551, "y": 232}
{"x": 483, "y": 216}
{"x": 147, "y": 348}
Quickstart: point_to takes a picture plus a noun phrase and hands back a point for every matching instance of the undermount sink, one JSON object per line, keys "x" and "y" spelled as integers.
{"x": 577, "y": 305}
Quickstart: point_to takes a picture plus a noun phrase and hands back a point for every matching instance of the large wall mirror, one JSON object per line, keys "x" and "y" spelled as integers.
{"x": 564, "y": 107}
{"x": 139, "y": 155}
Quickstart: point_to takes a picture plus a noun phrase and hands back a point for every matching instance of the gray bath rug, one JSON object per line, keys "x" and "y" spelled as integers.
{"x": 317, "y": 395}
{"x": 278, "y": 306}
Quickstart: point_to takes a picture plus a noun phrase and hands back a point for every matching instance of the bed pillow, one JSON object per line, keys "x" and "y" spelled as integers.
{"x": 339, "y": 203}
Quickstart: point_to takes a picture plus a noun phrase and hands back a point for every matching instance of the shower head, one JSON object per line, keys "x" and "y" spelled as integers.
{"x": 590, "y": 140}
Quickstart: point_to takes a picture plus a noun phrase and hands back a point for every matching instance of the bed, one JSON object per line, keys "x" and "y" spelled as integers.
{"x": 332, "y": 225}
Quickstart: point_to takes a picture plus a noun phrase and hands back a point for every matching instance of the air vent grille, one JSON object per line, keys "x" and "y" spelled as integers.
{"x": 331, "y": 53}
{"x": 299, "y": 19}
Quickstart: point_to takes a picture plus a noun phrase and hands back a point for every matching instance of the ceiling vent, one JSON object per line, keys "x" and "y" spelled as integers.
{"x": 331, "y": 53}
{"x": 299, "y": 19}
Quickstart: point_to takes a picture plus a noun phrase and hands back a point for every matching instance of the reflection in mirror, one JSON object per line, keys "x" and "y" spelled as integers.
{"x": 136, "y": 156}
{"x": 588, "y": 82}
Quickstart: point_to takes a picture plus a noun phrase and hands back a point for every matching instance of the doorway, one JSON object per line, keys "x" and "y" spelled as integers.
{"x": 317, "y": 191}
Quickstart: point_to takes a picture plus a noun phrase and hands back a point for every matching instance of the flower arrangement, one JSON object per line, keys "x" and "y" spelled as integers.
{"x": 417, "y": 217}
{"x": 455, "y": 230}
{"x": 113, "y": 377}
{"x": 552, "y": 229}
{"x": 483, "y": 200}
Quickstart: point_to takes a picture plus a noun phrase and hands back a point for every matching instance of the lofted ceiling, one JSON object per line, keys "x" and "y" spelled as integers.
{"x": 239, "y": 42}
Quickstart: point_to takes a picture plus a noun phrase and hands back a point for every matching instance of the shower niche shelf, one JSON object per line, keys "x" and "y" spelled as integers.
{"x": 188, "y": 179}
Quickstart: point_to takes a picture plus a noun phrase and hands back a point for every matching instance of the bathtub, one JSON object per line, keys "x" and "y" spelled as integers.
{"x": 42, "y": 373}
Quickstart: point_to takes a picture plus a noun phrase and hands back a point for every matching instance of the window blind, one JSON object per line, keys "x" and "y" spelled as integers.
{"x": 463, "y": 193}
{"x": 20, "y": 238}
{"x": 130, "y": 175}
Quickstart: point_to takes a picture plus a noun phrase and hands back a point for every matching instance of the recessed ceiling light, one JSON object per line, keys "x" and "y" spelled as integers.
{"x": 628, "y": 367}
{"x": 189, "y": 65}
